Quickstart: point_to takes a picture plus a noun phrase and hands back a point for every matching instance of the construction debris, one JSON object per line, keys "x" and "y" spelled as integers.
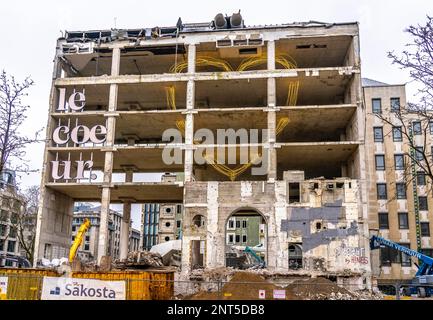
{"x": 139, "y": 260}
{"x": 245, "y": 285}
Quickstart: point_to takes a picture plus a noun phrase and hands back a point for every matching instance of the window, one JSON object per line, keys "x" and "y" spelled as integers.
{"x": 14, "y": 218}
{"x": 87, "y": 238}
{"x": 86, "y": 247}
{"x": 199, "y": 221}
{"x": 179, "y": 208}
{"x": 431, "y": 127}
{"x": 238, "y": 223}
{"x": 388, "y": 256}
{"x": 396, "y": 134}
{"x": 12, "y": 232}
{"x": 419, "y": 153}
{"x": 244, "y": 224}
{"x": 378, "y": 134}
{"x": 399, "y": 161}
{"x": 2, "y": 230}
{"x": 294, "y": 192}
{"x": 11, "y": 246}
{"x": 376, "y": 105}
{"x": 178, "y": 222}
{"x": 404, "y": 258}
{"x": 74, "y": 228}
{"x": 422, "y": 202}
{"x": 238, "y": 238}
{"x": 73, "y": 238}
{"x": 231, "y": 224}
{"x": 244, "y": 238}
{"x": 2, "y": 244}
{"x": 395, "y": 104}
{"x": 295, "y": 256}
{"x": 380, "y": 162}
{"x": 383, "y": 220}
{"x": 425, "y": 229}
{"x": 420, "y": 178}
{"x": 416, "y": 127}
{"x": 427, "y": 252}
{"x": 230, "y": 238}
{"x": 401, "y": 190}
{"x": 4, "y": 215}
{"x": 381, "y": 191}
{"x": 403, "y": 220}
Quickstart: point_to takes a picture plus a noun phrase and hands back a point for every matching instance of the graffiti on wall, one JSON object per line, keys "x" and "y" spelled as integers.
{"x": 351, "y": 254}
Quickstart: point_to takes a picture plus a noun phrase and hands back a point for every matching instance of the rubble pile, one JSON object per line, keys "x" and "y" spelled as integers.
{"x": 139, "y": 259}
{"x": 245, "y": 285}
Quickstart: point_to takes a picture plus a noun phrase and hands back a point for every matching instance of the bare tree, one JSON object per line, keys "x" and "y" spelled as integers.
{"x": 24, "y": 224}
{"x": 415, "y": 119}
{"x": 12, "y": 115}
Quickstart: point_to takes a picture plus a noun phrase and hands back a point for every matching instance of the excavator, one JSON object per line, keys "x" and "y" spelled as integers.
{"x": 78, "y": 239}
{"x": 424, "y": 275}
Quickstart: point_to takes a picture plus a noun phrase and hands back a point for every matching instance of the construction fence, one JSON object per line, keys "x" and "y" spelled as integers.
{"x": 28, "y": 284}
{"x": 34, "y": 284}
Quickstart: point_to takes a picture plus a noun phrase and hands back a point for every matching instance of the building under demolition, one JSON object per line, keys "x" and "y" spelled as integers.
{"x": 264, "y": 123}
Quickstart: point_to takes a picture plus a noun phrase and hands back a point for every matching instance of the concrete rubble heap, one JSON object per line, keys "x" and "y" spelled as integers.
{"x": 139, "y": 259}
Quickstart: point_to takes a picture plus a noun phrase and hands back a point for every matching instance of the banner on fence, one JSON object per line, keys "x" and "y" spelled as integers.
{"x": 279, "y": 294}
{"x": 54, "y": 288}
{"x": 3, "y": 287}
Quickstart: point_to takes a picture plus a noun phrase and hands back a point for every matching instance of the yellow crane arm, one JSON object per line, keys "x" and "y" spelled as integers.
{"x": 78, "y": 239}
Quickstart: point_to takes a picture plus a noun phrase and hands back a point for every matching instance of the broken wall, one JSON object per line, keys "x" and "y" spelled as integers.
{"x": 325, "y": 221}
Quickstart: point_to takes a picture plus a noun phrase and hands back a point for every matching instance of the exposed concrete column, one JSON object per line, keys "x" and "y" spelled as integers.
{"x": 191, "y": 58}
{"x": 271, "y": 154}
{"x": 126, "y": 219}
{"x": 108, "y": 164}
{"x": 124, "y": 230}
{"x": 189, "y": 121}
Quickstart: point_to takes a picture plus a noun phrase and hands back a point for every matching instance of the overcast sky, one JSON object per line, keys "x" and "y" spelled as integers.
{"x": 29, "y": 30}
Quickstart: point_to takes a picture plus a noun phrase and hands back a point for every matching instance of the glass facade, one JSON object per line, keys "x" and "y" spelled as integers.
{"x": 150, "y": 226}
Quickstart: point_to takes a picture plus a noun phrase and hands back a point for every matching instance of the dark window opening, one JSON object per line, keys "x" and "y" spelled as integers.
{"x": 416, "y": 127}
{"x": 397, "y": 134}
{"x": 378, "y": 134}
{"x": 425, "y": 229}
{"x": 419, "y": 153}
{"x": 395, "y": 104}
{"x": 401, "y": 190}
{"x": 380, "y": 162}
{"x": 381, "y": 191}
{"x": 404, "y": 258}
{"x": 403, "y": 220}
{"x": 377, "y": 105}
{"x": 422, "y": 202}
{"x": 383, "y": 220}
{"x": 294, "y": 192}
{"x": 295, "y": 256}
{"x": 420, "y": 178}
{"x": 399, "y": 161}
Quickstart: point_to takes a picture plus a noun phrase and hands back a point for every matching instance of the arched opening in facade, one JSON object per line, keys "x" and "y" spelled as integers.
{"x": 246, "y": 239}
{"x": 295, "y": 256}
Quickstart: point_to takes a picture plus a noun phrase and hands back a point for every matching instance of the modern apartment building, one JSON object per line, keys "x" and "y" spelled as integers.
{"x": 267, "y": 120}
{"x": 400, "y": 201}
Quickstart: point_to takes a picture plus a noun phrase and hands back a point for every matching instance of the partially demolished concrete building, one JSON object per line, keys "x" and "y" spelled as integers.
{"x": 293, "y": 90}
